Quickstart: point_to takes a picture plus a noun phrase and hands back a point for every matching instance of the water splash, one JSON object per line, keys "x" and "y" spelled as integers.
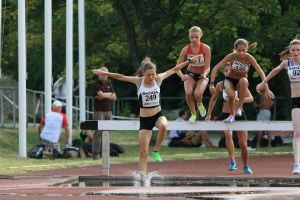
{"x": 143, "y": 179}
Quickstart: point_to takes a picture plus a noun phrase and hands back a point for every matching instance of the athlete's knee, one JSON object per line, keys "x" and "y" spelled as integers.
{"x": 198, "y": 94}
{"x": 163, "y": 127}
{"x": 243, "y": 144}
{"x": 143, "y": 152}
{"x": 189, "y": 93}
{"x": 243, "y": 82}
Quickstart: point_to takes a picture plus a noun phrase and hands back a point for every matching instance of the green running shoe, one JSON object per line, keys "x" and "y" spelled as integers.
{"x": 156, "y": 156}
{"x": 202, "y": 110}
{"x": 193, "y": 118}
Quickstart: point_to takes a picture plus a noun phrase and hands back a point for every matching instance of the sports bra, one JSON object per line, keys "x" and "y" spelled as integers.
{"x": 200, "y": 60}
{"x": 238, "y": 66}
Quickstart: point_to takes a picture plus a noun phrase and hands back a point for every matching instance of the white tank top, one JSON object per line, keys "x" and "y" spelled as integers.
{"x": 149, "y": 97}
{"x": 293, "y": 72}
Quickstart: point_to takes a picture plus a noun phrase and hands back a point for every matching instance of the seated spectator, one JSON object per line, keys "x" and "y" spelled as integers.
{"x": 266, "y": 139}
{"x": 85, "y": 140}
{"x": 50, "y": 128}
{"x": 188, "y": 138}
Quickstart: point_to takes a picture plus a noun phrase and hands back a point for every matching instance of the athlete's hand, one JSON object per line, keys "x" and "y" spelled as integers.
{"x": 195, "y": 59}
{"x": 212, "y": 90}
{"x": 208, "y": 117}
{"x": 269, "y": 94}
{"x": 260, "y": 87}
{"x": 185, "y": 77}
{"x": 204, "y": 76}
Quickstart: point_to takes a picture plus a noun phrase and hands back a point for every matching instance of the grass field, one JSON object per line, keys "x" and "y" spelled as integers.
{"x": 11, "y": 163}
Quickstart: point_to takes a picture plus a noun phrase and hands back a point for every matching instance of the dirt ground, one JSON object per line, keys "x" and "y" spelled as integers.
{"x": 44, "y": 184}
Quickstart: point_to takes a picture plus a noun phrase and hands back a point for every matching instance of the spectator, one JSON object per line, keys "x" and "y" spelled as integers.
{"x": 86, "y": 138}
{"x": 264, "y": 113}
{"x": 50, "y": 134}
{"x": 188, "y": 138}
{"x": 60, "y": 89}
{"x": 104, "y": 95}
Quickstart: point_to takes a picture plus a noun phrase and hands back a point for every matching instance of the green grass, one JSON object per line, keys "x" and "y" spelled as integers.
{"x": 11, "y": 163}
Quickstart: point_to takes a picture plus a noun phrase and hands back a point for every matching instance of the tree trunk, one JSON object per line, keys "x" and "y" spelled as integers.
{"x": 129, "y": 29}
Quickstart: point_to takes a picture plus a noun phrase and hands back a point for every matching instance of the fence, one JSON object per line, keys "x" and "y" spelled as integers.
{"x": 124, "y": 106}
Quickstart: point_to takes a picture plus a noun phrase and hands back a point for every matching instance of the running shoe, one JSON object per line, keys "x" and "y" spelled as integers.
{"x": 230, "y": 119}
{"x": 247, "y": 170}
{"x": 296, "y": 169}
{"x": 193, "y": 118}
{"x": 232, "y": 166}
{"x": 239, "y": 112}
{"x": 202, "y": 110}
{"x": 156, "y": 156}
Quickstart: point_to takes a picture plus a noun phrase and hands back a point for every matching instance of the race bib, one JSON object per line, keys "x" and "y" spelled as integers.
{"x": 150, "y": 99}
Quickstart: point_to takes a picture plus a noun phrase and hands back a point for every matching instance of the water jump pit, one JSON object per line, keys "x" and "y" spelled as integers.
{"x": 157, "y": 187}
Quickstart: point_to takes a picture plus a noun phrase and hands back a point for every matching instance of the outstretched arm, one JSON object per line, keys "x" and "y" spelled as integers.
{"x": 214, "y": 72}
{"x": 173, "y": 70}
{"x": 120, "y": 77}
{"x": 273, "y": 73}
{"x": 219, "y": 66}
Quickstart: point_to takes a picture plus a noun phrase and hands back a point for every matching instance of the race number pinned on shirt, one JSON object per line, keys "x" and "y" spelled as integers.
{"x": 199, "y": 62}
{"x": 236, "y": 65}
{"x": 150, "y": 99}
{"x": 294, "y": 73}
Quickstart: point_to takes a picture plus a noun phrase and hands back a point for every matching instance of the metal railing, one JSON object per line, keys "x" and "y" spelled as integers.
{"x": 124, "y": 107}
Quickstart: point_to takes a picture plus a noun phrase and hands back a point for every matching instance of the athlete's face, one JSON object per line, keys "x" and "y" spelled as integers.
{"x": 149, "y": 75}
{"x": 195, "y": 37}
{"x": 295, "y": 51}
{"x": 226, "y": 69}
{"x": 241, "y": 49}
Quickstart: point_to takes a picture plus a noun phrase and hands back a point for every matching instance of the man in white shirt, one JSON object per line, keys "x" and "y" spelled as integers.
{"x": 53, "y": 123}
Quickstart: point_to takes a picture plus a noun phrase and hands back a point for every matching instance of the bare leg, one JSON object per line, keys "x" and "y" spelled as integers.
{"x": 162, "y": 125}
{"x": 296, "y": 140}
{"x": 231, "y": 96}
{"x": 189, "y": 86}
{"x": 199, "y": 90}
{"x": 229, "y": 145}
{"x": 144, "y": 140}
{"x": 242, "y": 88}
{"x": 243, "y": 136}
{"x": 258, "y": 139}
{"x": 206, "y": 140}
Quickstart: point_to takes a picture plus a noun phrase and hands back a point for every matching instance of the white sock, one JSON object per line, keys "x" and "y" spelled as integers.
{"x": 296, "y": 149}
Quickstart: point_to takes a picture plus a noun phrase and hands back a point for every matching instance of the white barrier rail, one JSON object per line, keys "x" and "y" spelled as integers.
{"x": 109, "y": 125}
{"x": 199, "y": 125}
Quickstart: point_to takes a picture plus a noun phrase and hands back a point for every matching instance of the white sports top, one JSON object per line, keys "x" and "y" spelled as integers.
{"x": 293, "y": 72}
{"x": 149, "y": 97}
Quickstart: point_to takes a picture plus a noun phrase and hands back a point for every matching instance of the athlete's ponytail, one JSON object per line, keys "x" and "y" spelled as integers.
{"x": 285, "y": 54}
{"x": 252, "y": 46}
{"x": 145, "y": 65}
